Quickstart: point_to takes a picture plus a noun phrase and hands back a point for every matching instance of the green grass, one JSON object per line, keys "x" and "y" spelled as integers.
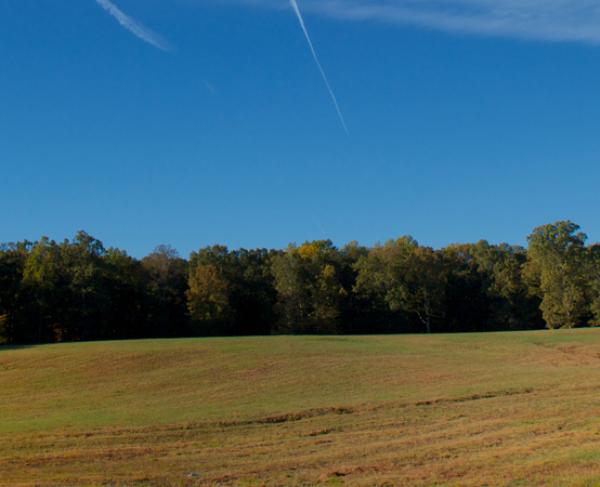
{"x": 463, "y": 409}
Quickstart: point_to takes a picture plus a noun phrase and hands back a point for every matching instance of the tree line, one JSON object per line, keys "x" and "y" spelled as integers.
{"x": 79, "y": 290}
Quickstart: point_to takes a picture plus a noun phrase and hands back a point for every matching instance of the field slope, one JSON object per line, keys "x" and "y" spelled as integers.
{"x": 482, "y": 409}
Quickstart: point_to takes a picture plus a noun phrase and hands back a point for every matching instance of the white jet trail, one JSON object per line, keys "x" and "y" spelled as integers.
{"x": 134, "y": 27}
{"x": 294, "y": 5}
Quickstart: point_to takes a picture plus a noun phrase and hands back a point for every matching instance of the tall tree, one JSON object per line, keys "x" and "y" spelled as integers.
{"x": 83, "y": 264}
{"x": 46, "y": 283}
{"x": 497, "y": 296}
{"x": 126, "y": 314}
{"x": 409, "y": 279}
{"x": 12, "y": 302}
{"x": 556, "y": 271}
{"x": 310, "y": 294}
{"x": 252, "y": 292}
{"x": 167, "y": 284}
{"x": 208, "y": 298}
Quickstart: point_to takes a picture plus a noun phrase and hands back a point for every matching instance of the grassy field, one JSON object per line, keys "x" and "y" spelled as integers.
{"x": 483, "y": 409}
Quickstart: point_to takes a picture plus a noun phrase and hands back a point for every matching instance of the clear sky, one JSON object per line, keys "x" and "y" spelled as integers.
{"x": 467, "y": 119}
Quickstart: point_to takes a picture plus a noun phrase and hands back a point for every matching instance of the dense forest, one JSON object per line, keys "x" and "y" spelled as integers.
{"x": 79, "y": 290}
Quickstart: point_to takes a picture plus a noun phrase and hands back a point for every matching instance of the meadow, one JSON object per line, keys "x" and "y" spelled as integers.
{"x": 516, "y": 409}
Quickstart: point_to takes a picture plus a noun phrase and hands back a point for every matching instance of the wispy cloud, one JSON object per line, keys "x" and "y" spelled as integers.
{"x": 550, "y": 20}
{"x": 294, "y": 6}
{"x": 133, "y": 26}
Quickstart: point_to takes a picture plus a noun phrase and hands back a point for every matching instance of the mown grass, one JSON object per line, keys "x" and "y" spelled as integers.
{"x": 478, "y": 409}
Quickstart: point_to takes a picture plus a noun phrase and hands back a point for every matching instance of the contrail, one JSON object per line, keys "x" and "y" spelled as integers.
{"x": 294, "y": 5}
{"x": 132, "y": 26}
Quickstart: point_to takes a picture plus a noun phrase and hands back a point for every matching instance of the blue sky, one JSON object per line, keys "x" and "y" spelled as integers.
{"x": 468, "y": 119}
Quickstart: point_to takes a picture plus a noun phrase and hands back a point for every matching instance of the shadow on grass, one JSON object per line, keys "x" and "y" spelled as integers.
{"x": 6, "y": 348}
